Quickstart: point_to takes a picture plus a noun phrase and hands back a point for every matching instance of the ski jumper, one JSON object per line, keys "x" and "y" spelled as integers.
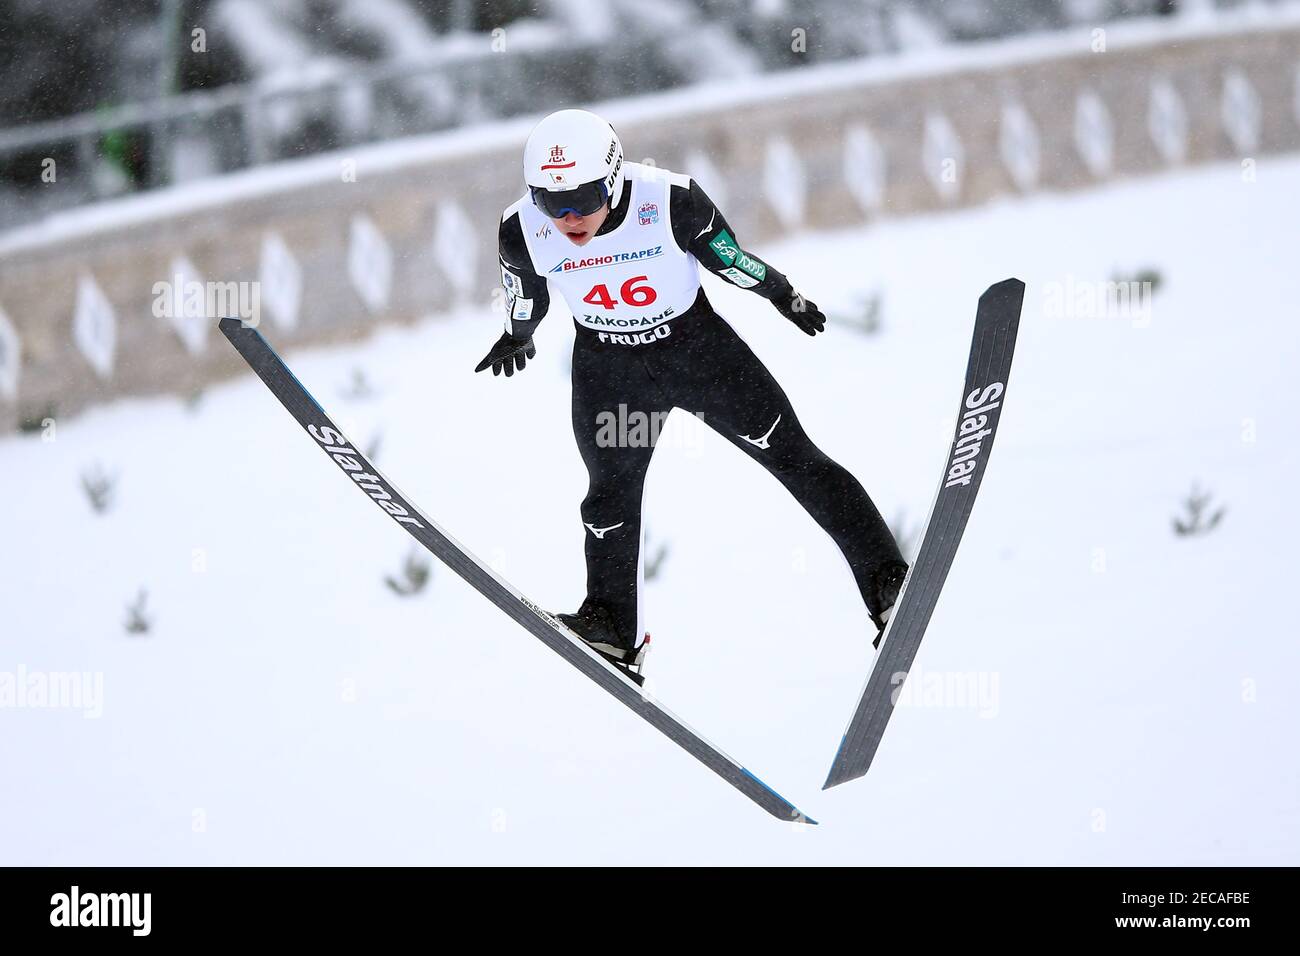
{"x": 648, "y": 340}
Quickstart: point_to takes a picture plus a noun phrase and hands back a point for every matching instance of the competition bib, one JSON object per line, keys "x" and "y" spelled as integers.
{"x": 629, "y": 281}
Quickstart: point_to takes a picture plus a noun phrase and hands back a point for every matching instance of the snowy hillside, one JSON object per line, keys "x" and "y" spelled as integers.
{"x": 1136, "y": 690}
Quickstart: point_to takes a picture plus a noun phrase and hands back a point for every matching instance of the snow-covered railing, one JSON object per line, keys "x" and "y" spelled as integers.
{"x": 96, "y": 303}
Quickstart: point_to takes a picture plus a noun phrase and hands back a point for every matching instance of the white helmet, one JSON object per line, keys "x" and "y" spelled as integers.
{"x": 572, "y": 149}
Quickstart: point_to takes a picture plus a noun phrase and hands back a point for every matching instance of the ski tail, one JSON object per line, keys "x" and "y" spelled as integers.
{"x": 997, "y": 322}
{"x": 309, "y": 414}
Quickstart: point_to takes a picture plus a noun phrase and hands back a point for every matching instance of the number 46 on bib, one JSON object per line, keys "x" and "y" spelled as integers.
{"x": 629, "y": 292}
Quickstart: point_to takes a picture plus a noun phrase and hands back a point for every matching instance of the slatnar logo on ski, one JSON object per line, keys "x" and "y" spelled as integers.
{"x": 544, "y": 614}
{"x": 349, "y": 460}
{"x": 614, "y": 258}
{"x": 971, "y": 433}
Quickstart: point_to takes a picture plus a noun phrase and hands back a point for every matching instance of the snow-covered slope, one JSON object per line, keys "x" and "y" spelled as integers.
{"x": 1135, "y": 691}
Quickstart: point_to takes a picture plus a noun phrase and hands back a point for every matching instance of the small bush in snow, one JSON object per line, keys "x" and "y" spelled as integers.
{"x": 414, "y": 577}
{"x": 1149, "y": 278}
{"x": 864, "y": 317}
{"x": 655, "y": 559}
{"x": 36, "y": 421}
{"x": 99, "y": 488}
{"x": 137, "y": 620}
{"x": 359, "y": 387}
{"x": 1197, "y": 517}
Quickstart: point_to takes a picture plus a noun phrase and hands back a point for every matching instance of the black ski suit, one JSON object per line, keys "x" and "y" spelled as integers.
{"x": 704, "y": 368}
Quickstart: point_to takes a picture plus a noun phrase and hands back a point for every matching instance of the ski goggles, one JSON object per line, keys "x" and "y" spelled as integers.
{"x": 582, "y": 200}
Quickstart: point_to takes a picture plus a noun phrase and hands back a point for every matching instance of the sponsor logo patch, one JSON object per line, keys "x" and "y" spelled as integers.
{"x": 647, "y": 213}
{"x": 729, "y": 251}
{"x": 617, "y": 258}
{"x": 751, "y": 265}
{"x": 636, "y": 338}
{"x": 724, "y": 246}
{"x": 736, "y": 277}
{"x": 514, "y": 285}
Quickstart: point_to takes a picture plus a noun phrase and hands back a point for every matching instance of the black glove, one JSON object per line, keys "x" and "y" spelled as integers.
{"x": 509, "y": 353}
{"x": 802, "y": 312}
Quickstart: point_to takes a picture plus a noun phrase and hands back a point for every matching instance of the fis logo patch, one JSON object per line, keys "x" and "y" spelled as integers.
{"x": 647, "y": 213}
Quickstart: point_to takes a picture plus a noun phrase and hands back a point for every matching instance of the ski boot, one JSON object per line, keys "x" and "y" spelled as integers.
{"x": 597, "y": 628}
{"x": 885, "y": 585}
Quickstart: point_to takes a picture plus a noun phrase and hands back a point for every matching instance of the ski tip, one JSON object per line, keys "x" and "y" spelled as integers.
{"x": 830, "y": 777}
{"x": 1007, "y": 287}
{"x": 798, "y": 816}
{"x": 779, "y": 806}
{"x": 231, "y": 326}
{"x": 838, "y": 776}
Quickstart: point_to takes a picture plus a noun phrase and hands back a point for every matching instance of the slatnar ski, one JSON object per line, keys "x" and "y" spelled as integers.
{"x": 992, "y": 346}
{"x": 542, "y": 625}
